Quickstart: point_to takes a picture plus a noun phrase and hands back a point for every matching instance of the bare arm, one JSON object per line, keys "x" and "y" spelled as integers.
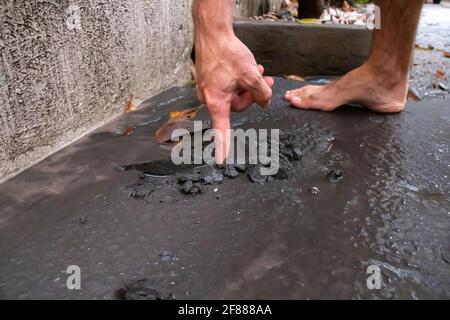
{"x": 228, "y": 76}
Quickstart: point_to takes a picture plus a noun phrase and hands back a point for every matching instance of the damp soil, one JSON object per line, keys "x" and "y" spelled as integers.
{"x": 298, "y": 236}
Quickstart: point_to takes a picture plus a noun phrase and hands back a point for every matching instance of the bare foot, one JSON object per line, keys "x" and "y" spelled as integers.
{"x": 379, "y": 91}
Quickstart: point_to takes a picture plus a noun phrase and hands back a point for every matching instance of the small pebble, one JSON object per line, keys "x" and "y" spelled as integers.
{"x": 335, "y": 176}
{"x": 190, "y": 187}
{"x": 168, "y": 256}
{"x": 315, "y": 190}
{"x": 210, "y": 175}
{"x": 230, "y": 171}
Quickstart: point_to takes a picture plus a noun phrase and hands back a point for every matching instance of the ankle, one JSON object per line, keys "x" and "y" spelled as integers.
{"x": 386, "y": 76}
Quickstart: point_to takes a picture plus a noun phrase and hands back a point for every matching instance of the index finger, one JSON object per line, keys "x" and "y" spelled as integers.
{"x": 220, "y": 116}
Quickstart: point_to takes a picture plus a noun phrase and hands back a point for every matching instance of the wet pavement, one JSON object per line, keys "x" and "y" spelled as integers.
{"x": 434, "y": 33}
{"x": 300, "y": 238}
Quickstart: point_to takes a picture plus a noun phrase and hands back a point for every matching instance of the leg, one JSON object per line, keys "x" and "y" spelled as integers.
{"x": 381, "y": 84}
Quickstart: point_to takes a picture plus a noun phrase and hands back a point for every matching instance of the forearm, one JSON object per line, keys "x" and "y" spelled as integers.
{"x": 213, "y": 19}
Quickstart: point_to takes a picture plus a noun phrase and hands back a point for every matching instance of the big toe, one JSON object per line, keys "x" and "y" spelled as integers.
{"x": 293, "y": 93}
{"x": 303, "y": 102}
{"x": 296, "y": 102}
{"x": 288, "y": 94}
{"x": 300, "y": 98}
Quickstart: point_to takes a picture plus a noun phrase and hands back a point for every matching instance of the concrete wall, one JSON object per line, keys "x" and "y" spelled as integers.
{"x": 285, "y": 48}
{"x": 66, "y": 67}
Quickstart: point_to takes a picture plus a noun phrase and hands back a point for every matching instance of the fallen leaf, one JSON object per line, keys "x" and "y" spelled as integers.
{"x": 130, "y": 105}
{"x": 186, "y": 114}
{"x": 427, "y": 48}
{"x": 443, "y": 87}
{"x": 446, "y": 54}
{"x": 440, "y": 74}
{"x": 308, "y": 21}
{"x": 413, "y": 94}
{"x": 129, "y": 131}
{"x": 179, "y": 120}
{"x": 295, "y": 78}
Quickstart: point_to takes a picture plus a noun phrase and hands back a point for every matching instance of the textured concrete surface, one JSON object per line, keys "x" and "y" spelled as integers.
{"x": 272, "y": 241}
{"x": 60, "y": 79}
{"x": 307, "y": 50}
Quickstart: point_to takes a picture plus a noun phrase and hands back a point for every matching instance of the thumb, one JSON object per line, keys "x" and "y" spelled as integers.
{"x": 258, "y": 87}
{"x": 246, "y": 99}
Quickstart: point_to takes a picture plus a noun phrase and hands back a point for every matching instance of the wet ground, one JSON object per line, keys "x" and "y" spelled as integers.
{"x": 434, "y": 34}
{"x": 301, "y": 238}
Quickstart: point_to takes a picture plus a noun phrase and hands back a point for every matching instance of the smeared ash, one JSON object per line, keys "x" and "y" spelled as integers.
{"x": 197, "y": 180}
{"x": 194, "y": 182}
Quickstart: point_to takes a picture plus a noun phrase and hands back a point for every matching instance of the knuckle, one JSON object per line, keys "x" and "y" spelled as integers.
{"x": 254, "y": 80}
{"x": 267, "y": 94}
{"x": 251, "y": 78}
{"x": 213, "y": 104}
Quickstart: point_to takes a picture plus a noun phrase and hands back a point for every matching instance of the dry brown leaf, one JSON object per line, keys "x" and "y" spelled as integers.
{"x": 440, "y": 74}
{"x": 178, "y": 120}
{"x": 184, "y": 114}
{"x": 129, "y": 131}
{"x": 130, "y": 106}
{"x": 295, "y": 78}
{"x": 446, "y": 54}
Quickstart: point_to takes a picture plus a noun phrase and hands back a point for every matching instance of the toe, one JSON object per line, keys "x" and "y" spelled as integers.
{"x": 287, "y": 95}
{"x": 299, "y": 98}
{"x": 297, "y": 102}
{"x": 305, "y": 102}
